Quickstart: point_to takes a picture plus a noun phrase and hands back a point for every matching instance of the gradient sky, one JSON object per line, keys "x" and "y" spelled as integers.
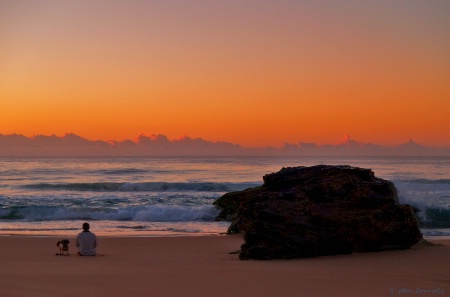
{"x": 256, "y": 73}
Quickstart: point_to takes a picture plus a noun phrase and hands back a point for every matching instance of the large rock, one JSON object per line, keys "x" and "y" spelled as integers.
{"x": 319, "y": 210}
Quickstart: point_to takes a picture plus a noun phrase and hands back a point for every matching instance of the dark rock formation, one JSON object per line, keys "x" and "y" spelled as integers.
{"x": 319, "y": 210}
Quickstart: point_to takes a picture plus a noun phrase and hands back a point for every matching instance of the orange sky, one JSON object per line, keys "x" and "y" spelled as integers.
{"x": 257, "y": 73}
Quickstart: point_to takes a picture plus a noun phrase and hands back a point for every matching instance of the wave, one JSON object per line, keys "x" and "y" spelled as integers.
{"x": 434, "y": 218}
{"x": 152, "y": 213}
{"x": 423, "y": 181}
{"x": 143, "y": 187}
{"x": 435, "y": 232}
{"x": 404, "y": 185}
{"x": 120, "y": 171}
{"x": 429, "y": 197}
{"x": 429, "y": 218}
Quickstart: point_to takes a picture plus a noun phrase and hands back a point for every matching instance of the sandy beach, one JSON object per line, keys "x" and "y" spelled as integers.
{"x": 203, "y": 266}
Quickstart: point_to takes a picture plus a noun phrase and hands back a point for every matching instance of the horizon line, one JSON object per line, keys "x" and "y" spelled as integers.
{"x": 155, "y": 137}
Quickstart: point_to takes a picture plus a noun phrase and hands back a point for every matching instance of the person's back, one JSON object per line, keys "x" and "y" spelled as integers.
{"x": 86, "y": 242}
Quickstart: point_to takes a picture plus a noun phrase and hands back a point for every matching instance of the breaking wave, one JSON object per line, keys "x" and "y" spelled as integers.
{"x": 151, "y": 213}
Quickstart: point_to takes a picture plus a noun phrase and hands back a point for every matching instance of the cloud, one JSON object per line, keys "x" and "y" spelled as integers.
{"x": 159, "y": 145}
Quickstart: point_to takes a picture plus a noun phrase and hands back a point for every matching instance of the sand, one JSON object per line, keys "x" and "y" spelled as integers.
{"x": 202, "y": 266}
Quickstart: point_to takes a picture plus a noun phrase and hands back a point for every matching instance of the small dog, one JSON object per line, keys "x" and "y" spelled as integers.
{"x": 63, "y": 246}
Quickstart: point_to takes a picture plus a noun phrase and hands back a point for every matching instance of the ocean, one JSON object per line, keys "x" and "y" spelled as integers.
{"x": 173, "y": 196}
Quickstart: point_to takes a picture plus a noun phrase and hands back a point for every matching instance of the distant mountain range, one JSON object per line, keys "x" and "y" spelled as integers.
{"x": 159, "y": 145}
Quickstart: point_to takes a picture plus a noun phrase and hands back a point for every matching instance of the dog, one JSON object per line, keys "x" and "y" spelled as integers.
{"x": 63, "y": 246}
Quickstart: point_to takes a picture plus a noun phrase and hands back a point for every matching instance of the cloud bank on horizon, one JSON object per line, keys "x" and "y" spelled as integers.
{"x": 159, "y": 145}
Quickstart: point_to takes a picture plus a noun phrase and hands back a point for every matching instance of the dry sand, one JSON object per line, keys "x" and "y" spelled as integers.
{"x": 202, "y": 266}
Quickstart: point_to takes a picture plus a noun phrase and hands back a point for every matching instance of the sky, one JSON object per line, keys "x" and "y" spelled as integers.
{"x": 254, "y": 73}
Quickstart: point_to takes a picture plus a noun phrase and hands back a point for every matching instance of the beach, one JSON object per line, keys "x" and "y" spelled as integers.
{"x": 158, "y": 235}
{"x": 204, "y": 266}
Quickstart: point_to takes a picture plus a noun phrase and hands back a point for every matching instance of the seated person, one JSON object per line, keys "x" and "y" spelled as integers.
{"x": 86, "y": 242}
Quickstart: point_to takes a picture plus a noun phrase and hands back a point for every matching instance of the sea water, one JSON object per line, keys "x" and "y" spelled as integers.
{"x": 171, "y": 196}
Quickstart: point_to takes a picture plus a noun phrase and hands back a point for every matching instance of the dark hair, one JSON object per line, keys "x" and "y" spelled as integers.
{"x": 86, "y": 226}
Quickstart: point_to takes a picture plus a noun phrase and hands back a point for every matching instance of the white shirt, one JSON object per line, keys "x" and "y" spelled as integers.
{"x": 86, "y": 243}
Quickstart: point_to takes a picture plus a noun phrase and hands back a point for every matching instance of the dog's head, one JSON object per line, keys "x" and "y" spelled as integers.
{"x": 63, "y": 243}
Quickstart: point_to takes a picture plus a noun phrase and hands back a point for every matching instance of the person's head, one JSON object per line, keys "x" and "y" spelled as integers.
{"x": 86, "y": 226}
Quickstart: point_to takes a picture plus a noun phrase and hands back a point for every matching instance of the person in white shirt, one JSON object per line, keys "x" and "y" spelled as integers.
{"x": 86, "y": 242}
